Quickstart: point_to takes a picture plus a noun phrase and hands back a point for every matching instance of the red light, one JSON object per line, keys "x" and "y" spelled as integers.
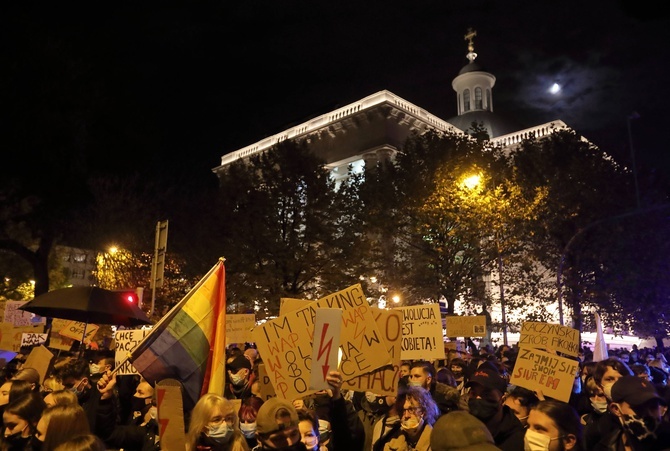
{"x": 130, "y": 298}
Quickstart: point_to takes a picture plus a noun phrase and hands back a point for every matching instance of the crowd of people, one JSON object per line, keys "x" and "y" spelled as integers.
{"x": 463, "y": 402}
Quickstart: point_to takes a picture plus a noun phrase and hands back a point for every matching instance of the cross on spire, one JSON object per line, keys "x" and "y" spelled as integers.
{"x": 471, "y": 45}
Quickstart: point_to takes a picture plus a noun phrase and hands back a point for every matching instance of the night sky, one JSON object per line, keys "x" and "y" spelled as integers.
{"x": 170, "y": 87}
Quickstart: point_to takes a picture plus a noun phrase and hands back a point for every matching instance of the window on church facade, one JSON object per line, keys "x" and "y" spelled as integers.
{"x": 466, "y": 100}
{"x": 488, "y": 100}
{"x": 478, "y": 98}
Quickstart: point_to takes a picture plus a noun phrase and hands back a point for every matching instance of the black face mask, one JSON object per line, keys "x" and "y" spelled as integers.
{"x": 140, "y": 405}
{"x": 379, "y": 405}
{"x": 36, "y": 444}
{"x": 483, "y": 409}
{"x": 15, "y": 441}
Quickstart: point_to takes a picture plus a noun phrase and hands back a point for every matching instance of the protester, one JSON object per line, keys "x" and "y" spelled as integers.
{"x": 371, "y": 409}
{"x": 31, "y": 375}
{"x": 141, "y": 401}
{"x": 309, "y": 430}
{"x": 60, "y": 423}
{"x": 419, "y": 413}
{"x": 461, "y": 431}
{"x": 214, "y": 425}
{"x": 240, "y": 378}
{"x": 247, "y": 414}
{"x": 12, "y": 390}
{"x": 520, "y": 400}
{"x": 485, "y": 401}
{"x": 447, "y": 398}
{"x": 639, "y": 411}
{"x": 278, "y": 427}
{"x": 51, "y": 384}
{"x": 389, "y": 423}
{"x": 20, "y": 419}
{"x": 553, "y": 426}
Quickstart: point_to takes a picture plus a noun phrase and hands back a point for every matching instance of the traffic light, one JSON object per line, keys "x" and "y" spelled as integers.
{"x": 133, "y": 296}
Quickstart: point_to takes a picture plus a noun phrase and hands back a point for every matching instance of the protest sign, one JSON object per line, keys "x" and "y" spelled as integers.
{"x": 538, "y": 370}
{"x": 238, "y": 327}
{"x": 32, "y": 339}
{"x": 57, "y": 341}
{"x": 40, "y": 359}
{"x": 126, "y": 342}
{"x": 466, "y": 326}
{"x": 290, "y": 304}
{"x": 169, "y": 404}
{"x": 19, "y": 318}
{"x": 326, "y": 345}
{"x": 421, "y": 332}
{"x": 285, "y": 343}
{"x": 267, "y": 390}
{"x": 549, "y": 336}
{"x": 383, "y": 381}
{"x": 75, "y": 331}
{"x": 10, "y": 336}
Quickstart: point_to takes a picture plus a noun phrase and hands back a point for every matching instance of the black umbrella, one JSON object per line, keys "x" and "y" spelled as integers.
{"x": 87, "y": 305}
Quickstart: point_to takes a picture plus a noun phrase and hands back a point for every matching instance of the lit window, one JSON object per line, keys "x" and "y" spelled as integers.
{"x": 466, "y": 100}
{"x": 478, "y": 98}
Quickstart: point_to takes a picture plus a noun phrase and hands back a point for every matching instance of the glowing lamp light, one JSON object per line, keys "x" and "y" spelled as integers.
{"x": 472, "y": 181}
{"x": 555, "y": 88}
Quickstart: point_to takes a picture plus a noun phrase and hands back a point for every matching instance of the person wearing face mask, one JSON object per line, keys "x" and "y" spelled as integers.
{"x": 309, "y": 430}
{"x": 141, "y": 401}
{"x": 485, "y": 401}
{"x": 597, "y": 406}
{"x": 419, "y": 413}
{"x": 371, "y": 409}
{"x": 240, "y": 378}
{"x": 639, "y": 411}
{"x": 553, "y": 426}
{"x": 214, "y": 426}
{"x": 247, "y": 414}
{"x": 520, "y": 400}
{"x": 20, "y": 419}
{"x": 605, "y": 374}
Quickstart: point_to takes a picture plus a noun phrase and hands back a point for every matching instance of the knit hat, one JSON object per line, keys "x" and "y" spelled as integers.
{"x": 274, "y": 415}
{"x": 460, "y": 431}
{"x": 489, "y": 378}
{"x": 634, "y": 390}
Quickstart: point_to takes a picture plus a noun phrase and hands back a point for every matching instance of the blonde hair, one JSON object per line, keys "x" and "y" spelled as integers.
{"x": 64, "y": 398}
{"x": 63, "y": 422}
{"x": 202, "y": 414}
{"x": 51, "y": 384}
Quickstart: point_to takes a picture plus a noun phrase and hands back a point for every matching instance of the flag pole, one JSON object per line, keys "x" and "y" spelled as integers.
{"x": 156, "y": 327}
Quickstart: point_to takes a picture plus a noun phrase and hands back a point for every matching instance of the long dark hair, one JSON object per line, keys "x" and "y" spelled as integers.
{"x": 29, "y": 407}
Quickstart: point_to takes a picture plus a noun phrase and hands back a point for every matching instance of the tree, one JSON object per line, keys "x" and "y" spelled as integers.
{"x": 285, "y": 229}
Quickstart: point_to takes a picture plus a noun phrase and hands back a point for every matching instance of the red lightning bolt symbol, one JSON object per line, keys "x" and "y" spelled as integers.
{"x": 325, "y": 348}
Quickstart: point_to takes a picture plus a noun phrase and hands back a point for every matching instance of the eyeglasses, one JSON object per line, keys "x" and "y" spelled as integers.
{"x": 412, "y": 410}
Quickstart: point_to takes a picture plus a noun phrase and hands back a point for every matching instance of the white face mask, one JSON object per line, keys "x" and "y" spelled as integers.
{"x": 534, "y": 441}
{"x": 248, "y": 429}
{"x": 237, "y": 378}
{"x": 94, "y": 368}
{"x": 599, "y": 406}
{"x": 411, "y": 424}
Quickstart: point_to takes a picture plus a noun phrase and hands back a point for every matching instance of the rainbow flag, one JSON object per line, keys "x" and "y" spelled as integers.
{"x": 188, "y": 343}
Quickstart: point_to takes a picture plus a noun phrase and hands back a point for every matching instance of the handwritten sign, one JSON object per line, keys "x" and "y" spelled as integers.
{"x": 291, "y": 304}
{"x": 286, "y": 342}
{"x": 383, "y": 381}
{"x": 20, "y": 318}
{"x": 10, "y": 336}
{"x": 549, "y": 336}
{"x": 466, "y": 326}
{"x": 32, "y": 339}
{"x": 421, "y": 332}
{"x": 75, "y": 331}
{"x": 266, "y": 388}
{"x": 126, "y": 342}
{"x": 538, "y": 370}
{"x": 327, "y": 322}
{"x": 238, "y": 327}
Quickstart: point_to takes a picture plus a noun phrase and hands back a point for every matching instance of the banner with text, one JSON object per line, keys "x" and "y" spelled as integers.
{"x": 383, "y": 381}
{"x": 20, "y": 318}
{"x": 421, "y": 332}
{"x": 285, "y": 343}
{"x": 291, "y": 304}
{"x": 466, "y": 326}
{"x": 548, "y": 336}
{"x": 75, "y": 330}
{"x": 33, "y": 339}
{"x": 126, "y": 342}
{"x": 551, "y": 374}
{"x": 238, "y": 327}
{"x": 10, "y": 336}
